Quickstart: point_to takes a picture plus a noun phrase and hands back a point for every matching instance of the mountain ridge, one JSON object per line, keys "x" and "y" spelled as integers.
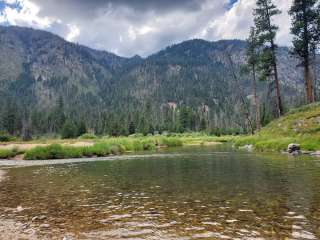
{"x": 38, "y": 68}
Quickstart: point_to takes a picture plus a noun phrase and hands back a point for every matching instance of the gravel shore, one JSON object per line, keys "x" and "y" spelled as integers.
{"x": 26, "y": 163}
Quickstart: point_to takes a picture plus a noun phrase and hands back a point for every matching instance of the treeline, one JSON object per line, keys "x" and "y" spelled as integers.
{"x": 59, "y": 122}
{"x": 262, "y": 50}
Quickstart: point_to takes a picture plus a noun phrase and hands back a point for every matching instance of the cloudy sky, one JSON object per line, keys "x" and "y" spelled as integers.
{"x": 129, "y": 27}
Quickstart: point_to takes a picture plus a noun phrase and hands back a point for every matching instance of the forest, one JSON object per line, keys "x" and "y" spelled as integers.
{"x": 229, "y": 87}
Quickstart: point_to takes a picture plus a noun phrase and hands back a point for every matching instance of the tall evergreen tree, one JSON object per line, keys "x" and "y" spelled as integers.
{"x": 203, "y": 125}
{"x": 304, "y": 29}
{"x": 132, "y": 128}
{"x": 266, "y": 33}
{"x": 252, "y": 61}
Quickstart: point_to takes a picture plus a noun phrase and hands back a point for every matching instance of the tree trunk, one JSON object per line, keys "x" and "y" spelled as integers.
{"x": 276, "y": 79}
{"x": 308, "y": 81}
{"x": 255, "y": 99}
{"x": 279, "y": 101}
{"x": 315, "y": 78}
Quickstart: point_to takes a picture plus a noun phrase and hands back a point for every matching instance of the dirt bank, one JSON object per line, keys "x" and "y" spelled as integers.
{"x": 28, "y": 146}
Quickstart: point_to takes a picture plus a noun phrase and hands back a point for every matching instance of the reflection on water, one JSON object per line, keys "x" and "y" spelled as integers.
{"x": 204, "y": 194}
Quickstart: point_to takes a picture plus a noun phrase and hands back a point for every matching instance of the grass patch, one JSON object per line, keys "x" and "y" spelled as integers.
{"x": 9, "y": 153}
{"x": 170, "y": 141}
{"x": 88, "y": 136}
{"x": 54, "y": 151}
{"x": 301, "y": 126}
{"x": 106, "y": 146}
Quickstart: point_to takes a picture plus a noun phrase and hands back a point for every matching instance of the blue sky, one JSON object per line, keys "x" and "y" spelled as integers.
{"x": 129, "y": 27}
{"x": 231, "y": 2}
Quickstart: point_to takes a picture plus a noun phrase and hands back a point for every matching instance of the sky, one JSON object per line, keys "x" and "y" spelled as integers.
{"x": 143, "y": 27}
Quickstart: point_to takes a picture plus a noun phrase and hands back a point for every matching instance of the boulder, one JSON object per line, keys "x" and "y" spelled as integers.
{"x": 294, "y": 148}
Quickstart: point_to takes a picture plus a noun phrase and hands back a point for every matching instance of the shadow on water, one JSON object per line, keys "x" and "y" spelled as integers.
{"x": 200, "y": 193}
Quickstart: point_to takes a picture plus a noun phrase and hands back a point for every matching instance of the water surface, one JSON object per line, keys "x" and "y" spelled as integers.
{"x": 196, "y": 193}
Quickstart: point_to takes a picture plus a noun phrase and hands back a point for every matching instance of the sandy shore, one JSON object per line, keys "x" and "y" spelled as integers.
{"x": 27, "y": 163}
{"x": 28, "y": 146}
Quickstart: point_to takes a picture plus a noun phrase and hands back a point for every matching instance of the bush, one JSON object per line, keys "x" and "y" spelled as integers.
{"x": 54, "y": 151}
{"x": 99, "y": 150}
{"x": 148, "y": 145}
{"x": 170, "y": 142}
{"x": 69, "y": 130}
{"x": 6, "y": 137}
{"x": 9, "y": 153}
{"x": 88, "y": 136}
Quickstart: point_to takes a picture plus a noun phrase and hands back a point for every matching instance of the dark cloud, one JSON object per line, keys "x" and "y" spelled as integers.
{"x": 91, "y": 7}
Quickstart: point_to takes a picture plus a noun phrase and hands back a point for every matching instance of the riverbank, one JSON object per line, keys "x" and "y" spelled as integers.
{"x": 28, "y": 163}
{"x": 102, "y": 147}
{"x": 300, "y": 126}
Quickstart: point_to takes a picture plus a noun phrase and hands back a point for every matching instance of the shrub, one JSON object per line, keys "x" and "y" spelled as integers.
{"x": 88, "y": 136}
{"x": 9, "y": 153}
{"x": 117, "y": 149}
{"x": 148, "y": 144}
{"x": 54, "y": 151}
{"x": 170, "y": 142}
{"x": 99, "y": 150}
{"x": 137, "y": 145}
{"x": 6, "y": 137}
{"x": 69, "y": 130}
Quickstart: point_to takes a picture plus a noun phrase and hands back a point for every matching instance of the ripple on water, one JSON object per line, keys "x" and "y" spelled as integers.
{"x": 210, "y": 235}
{"x": 162, "y": 200}
{"x": 303, "y": 235}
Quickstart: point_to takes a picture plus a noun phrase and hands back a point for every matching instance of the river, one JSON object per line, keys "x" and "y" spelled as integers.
{"x": 178, "y": 194}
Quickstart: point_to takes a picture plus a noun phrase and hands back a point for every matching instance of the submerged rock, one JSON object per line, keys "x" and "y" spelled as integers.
{"x": 44, "y": 226}
{"x": 248, "y": 148}
{"x": 294, "y": 148}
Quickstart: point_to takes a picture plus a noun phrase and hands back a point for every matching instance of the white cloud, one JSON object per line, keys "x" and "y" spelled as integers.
{"x": 236, "y": 22}
{"x": 74, "y": 32}
{"x": 26, "y": 16}
{"x": 127, "y": 30}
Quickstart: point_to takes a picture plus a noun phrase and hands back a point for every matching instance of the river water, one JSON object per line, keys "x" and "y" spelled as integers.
{"x": 184, "y": 193}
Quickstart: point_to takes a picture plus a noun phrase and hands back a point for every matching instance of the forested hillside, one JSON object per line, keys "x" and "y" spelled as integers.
{"x": 47, "y": 82}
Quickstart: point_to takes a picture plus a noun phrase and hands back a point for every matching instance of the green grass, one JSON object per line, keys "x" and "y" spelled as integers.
{"x": 54, "y": 151}
{"x": 9, "y": 153}
{"x": 300, "y": 126}
{"x": 103, "y": 147}
{"x": 88, "y": 136}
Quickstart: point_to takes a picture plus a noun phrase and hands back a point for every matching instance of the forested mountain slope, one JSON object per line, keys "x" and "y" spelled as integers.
{"x": 46, "y": 80}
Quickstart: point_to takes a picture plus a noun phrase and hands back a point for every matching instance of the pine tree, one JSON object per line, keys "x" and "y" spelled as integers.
{"x": 266, "y": 33}
{"x": 304, "y": 16}
{"x": 203, "y": 125}
{"x": 252, "y": 61}
{"x": 132, "y": 128}
{"x": 82, "y": 128}
{"x": 69, "y": 130}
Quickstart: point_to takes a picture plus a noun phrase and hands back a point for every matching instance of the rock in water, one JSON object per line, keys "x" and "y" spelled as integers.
{"x": 317, "y": 153}
{"x": 248, "y": 148}
{"x": 294, "y": 148}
